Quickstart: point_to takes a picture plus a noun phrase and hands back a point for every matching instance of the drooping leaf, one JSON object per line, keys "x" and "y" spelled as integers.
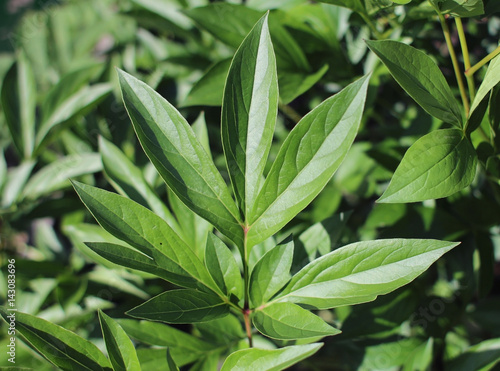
{"x": 437, "y": 165}
{"x": 359, "y": 272}
{"x": 482, "y": 356}
{"x": 249, "y": 110}
{"x": 63, "y": 348}
{"x": 181, "y": 306}
{"x": 172, "y": 147}
{"x": 18, "y": 98}
{"x": 268, "y": 360}
{"x": 420, "y": 77}
{"x": 295, "y": 83}
{"x": 120, "y": 349}
{"x": 222, "y": 266}
{"x": 288, "y": 321}
{"x": 128, "y": 180}
{"x": 148, "y": 233}
{"x": 491, "y": 79}
{"x": 56, "y": 175}
{"x": 462, "y": 8}
{"x": 271, "y": 273}
{"x": 307, "y": 160}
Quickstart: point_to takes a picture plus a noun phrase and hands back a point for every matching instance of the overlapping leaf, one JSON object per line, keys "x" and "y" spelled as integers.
{"x": 173, "y": 148}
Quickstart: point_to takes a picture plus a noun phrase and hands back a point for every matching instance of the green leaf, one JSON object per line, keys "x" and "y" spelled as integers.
{"x": 271, "y": 273}
{"x": 63, "y": 348}
{"x": 359, "y": 272}
{"x": 224, "y": 331}
{"x": 185, "y": 348}
{"x": 147, "y": 232}
{"x": 287, "y": 321}
{"x": 120, "y": 349}
{"x": 355, "y": 5}
{"x": 222, "y": 266}
{"x": 170, "y": 362}
{"x": 401, "y": 1}
{"x": 315, "y": 239}
{"x": 173, "y": 148}
{"x": 16, "y": 179}
{"x": 462, "y": 8}
{"x": 437, "y": 165}
{"x": 491, "y": 79}
{"x": 128, "y": 180}
{"x": 209, "y": 90}
{"x": 76, "y": 104}
{"x": 420, "y": 77}
{"x": 55, "y": 176}
{"x": 268, "y": 360}
{"x": 18, "y": 99}
{"x": 295, "y": 83}
{"x": 249, "y": 110}
{"x": 482, "y": 356}
{"x": 307, "y": 160}
{"x": 181, "y": 306}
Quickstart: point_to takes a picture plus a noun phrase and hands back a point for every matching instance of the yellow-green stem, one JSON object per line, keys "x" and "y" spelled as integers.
{"x": 482, "y": 62}
{"x": 454, "y": 61}
{"x": 246, "y": 305}
{"x": 372, "y": 27}
{"x": 465, "y": 53}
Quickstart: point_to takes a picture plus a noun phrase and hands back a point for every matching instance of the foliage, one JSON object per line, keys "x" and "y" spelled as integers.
{"x": 352, "y": 166}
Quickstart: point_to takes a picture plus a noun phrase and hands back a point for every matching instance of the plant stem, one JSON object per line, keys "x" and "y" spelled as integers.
{"x": 465, "y": 53}
{"x": 290, "y": 112}
{"x": 482, "y": 62}
{"x": 372, "y": 27}
{"x": 246, "y": 305}
{"x": 248, "y": 326}
{"x": 454, "y": 61}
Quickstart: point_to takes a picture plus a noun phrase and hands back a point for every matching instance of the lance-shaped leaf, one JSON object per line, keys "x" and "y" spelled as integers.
{"x": 249, "y": 110}
{"x": 181, "y": 306}
{"x": 222, "y": 266}
{"x": 359, "y": 272}
{"x": 307, "y": 160}
{"x": 18, "y": 98}
{"x": 437, "y": 165}
{"x": 120, "y": 349}
{"x": 147, "y": 232}
{"x": 420, "y": 77}
{"x": 288, "y": 321}
{"x": 271, "y": 273}
{"x": 63, "y": 348}
{"x": 491, "y": 79}
{"x": 269, "y": 359}
{"x": 174, "y": 150}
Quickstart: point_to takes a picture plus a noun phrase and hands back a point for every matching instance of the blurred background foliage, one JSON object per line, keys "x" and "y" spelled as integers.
{"x": 62, "y": 117}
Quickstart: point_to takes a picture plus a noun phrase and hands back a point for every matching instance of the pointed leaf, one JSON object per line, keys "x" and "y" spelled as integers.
{"x": 249, "y": 110}
{"x": 271, "y": 273}
{"x": 359, "y": 272}
{"x": 173, "y": 148}
{"x": 307, "y": 160}
{"x": 420, "y": 77}
{"x": 63, "y": 348}
{"x": 268, "y": 360}
{"x": 222, "y": 266}
{"x": 120, "y": 349}
{"x": 16, "y": 179}
{"x": 55, "y": 176}
{"x": 147, "y": 232}
{"x": 437, "y": 165}
{"x": 181, "y": 306}
{"x": 287, "y": 321}
{"x": 170, "y": 362}
{"x": 18, "y": 98}
{"x": 491, "y": 79}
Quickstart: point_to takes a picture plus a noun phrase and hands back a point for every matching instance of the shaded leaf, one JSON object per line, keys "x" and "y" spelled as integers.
{"x": 63, "y": 348}
{"x": 437, "y": 165}
{"x": 482, "y": 356}
{"x": 173, "y": 148}
{"x": 268, "y": 360}
{"x": 359, "y": 272}
{"x": 491, "y": 79}
{"x": 120, "y": 349}
{"x": 287, "y": 321}
{"x": 181, "y": 306}
{"x": 420, "y": 77}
